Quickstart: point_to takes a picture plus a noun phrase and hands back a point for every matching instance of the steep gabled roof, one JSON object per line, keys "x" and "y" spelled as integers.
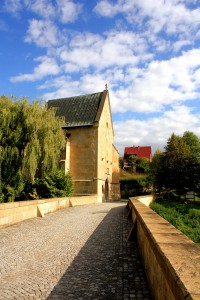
{"x": 140, "y": 151}
{"x": 79, "y": 110}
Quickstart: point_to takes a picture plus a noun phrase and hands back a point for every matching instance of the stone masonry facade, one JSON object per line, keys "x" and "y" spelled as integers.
{"x": 90, "y": 155}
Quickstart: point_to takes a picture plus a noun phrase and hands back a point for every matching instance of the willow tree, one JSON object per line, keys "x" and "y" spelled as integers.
{"x": 11, "y": 147}
{"x": 31, "y": 139}
{"x": 46, "y": 140}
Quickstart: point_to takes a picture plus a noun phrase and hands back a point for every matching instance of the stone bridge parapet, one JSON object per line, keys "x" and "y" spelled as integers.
{"x": 171, "y": 260}
{"x": 14, "y": 212}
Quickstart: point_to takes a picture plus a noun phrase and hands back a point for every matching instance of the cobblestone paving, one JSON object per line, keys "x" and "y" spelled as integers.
{"x": 77, "y": 253}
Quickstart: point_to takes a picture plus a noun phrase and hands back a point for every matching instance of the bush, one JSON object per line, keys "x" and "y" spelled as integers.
{"x": 131, "y": 187}
{"x": 9, "y": 192}
{"x": 56, "y": 184}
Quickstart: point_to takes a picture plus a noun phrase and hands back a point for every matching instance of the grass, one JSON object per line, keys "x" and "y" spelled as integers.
{"x": 129, "y": 175}
{"x": 184, "y": 216}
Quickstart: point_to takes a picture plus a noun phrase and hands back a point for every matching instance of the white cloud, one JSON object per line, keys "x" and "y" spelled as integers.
{"x": 42, "y": 33}
{"x": 43, "y": 8}
{"x": 64, "y": 11}
{"x": 65, "y": 86}
{"x": 48, "y": 66}
{"x": 133, "y": 89}
{"x": 107, "y": 9}
{"x": 113, "y": 48}
{"x": 68, "y": 11}
{"x": 180, "y": 44}
{"x": 12, "y": 6}
{"x": 154, "y": 15}
{"x": 161, "y": 83}
{"x": 156, "y": 131}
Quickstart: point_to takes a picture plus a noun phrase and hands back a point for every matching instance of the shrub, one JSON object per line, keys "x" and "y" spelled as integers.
{"x": 55, "y": 185}
{"x": 131, "y": 187}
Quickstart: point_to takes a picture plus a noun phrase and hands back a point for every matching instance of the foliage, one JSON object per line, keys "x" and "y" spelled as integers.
{"x": 155, "y": 170}
{"x": 121, "y": 163}
{"x": 12, "y": 130}
{"x": 185, "y": 217}
{"x": 138, "y": 165}
{"x": 193, "y": 142}
{"x": 31, "y": 139}
{"x": 42, "y": 152}
{"x": 178, "y": 167}
{"x": 56, "y": 184}
{"x": 142, "y": 165}
{"x": 135, "y": 186}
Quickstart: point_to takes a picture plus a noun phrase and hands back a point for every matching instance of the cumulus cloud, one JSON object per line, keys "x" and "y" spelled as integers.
{"x": 68, "y": 11}
{"x": 12, "y": 6}
{"x": 42, "y": 8}
{"x": 47, "y": 66}
{"x": 161, "y": 83}
{"x": 65, "y": 86}
{"x": 148, "y": 90}
{"x": 154, "y": 15}
{"x": 114, "y": 48}
{"x": 155, "y": 131}
{"x": 64, "y": 11}
{"x": 43, "y": 33}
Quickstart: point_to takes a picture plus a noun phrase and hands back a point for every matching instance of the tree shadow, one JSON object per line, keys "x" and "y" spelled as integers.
{"x": 107, "y": 267}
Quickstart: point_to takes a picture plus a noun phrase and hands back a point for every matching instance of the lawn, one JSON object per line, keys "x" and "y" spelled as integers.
{"x": 184, "y": 216}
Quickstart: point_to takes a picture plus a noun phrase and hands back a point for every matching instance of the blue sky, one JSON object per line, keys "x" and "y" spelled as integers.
{"x": 148, "y": 52}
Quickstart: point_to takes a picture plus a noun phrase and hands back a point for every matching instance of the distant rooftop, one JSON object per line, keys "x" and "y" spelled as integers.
{"x": 79, "y": 110}
{"x": 140, "y": 151}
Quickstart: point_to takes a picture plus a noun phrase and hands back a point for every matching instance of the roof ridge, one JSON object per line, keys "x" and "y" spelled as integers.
{"x": 78, "y": 96}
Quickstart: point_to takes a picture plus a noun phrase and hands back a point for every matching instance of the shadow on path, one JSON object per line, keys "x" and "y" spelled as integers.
{"x": 107, "y": 267}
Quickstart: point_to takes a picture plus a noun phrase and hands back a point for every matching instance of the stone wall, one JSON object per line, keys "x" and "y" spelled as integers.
{"x": 108, "y": 158}
{"x": 171, "y": 260}
{"x": 91, "y": 157}
{"x": 105, "y": 138}
{"x": 115, "y": 185}
{"x": 83, "y": 159}
{"x": 14, "y": 212}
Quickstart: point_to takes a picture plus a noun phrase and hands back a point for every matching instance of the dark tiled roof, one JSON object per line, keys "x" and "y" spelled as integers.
{"x": 79, "y": 110}
{"x": 140, "y": 151}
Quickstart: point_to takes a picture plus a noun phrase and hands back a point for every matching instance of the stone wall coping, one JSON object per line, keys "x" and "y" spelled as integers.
{"x": 14, "y": 212}
{"x": 9, "y": 205}
{"x": 178, "y": 256}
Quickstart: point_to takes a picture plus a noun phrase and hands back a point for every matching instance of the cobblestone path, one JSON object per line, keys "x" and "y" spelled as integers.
{"x": 77, "y": 253}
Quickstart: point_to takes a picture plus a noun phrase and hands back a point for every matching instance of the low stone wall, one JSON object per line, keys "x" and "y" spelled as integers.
{"x": 171, "y": 260}
{"x": 14, "y": 212}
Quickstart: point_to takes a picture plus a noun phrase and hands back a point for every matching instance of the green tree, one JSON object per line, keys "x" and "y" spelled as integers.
{"x": 178, "y": 166}
{"x": 156, "y": 170}
{"x": 131, "y": 160}
{"x": 142, "y": 165}
{"x": 12, "y": 142}
{"x": 175, "y": 164}
{"x": 31, "y": 139}
{"x": 193, "y": 142}
{"x": 46, "y": 140}
{"x": 121, "y": 162}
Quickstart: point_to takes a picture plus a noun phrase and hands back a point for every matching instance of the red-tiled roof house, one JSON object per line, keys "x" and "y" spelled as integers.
{"x": 138, "y": 151}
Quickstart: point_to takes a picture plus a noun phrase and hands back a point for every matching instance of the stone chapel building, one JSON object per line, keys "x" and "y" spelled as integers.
{"x": 89, "y": 155}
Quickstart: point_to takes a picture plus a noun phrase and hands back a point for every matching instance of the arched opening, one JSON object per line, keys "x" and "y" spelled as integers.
{"x": 106, "y": 190}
